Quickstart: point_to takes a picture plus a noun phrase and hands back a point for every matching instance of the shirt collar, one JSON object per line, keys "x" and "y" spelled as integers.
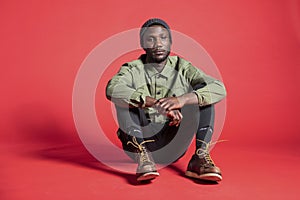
{"x": 151, "y": 71}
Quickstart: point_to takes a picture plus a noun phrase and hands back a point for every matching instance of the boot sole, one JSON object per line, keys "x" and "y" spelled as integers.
{"x": 206, "y": 177}
{"x": 148, "y": 176}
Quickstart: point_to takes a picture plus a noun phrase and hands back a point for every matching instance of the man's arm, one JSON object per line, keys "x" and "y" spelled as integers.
{"x": 174, "y": 103}
{"x": 120, "y": 89}
{"x": 208, "y": 89}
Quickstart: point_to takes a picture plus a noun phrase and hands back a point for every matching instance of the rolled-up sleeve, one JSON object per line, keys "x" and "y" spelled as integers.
{"x": 120, "y": 89}
{"x": 208, "y": 89}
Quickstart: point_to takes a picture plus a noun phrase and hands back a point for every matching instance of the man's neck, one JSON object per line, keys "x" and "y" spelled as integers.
{"x": 158, "y": 66}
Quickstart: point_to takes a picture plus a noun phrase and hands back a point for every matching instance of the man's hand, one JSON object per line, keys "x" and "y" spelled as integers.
{"x": 175, "y": 116}
{"x": 150, "y": 102}
{"x": 170, "y": 106}
{"x": 174, "y": 103}
{"x": 169, "y": 103}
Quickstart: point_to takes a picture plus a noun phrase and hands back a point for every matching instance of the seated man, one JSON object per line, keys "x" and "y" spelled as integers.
{"x": 162, "y": 102}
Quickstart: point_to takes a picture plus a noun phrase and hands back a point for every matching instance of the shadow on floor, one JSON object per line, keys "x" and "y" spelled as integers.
{"x": 45, "y": 138}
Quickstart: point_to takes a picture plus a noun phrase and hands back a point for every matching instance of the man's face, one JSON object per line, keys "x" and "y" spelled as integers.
{"x": 157, "y": 44}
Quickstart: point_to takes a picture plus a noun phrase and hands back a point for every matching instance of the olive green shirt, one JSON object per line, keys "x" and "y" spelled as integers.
{"x": 136, "y": 80}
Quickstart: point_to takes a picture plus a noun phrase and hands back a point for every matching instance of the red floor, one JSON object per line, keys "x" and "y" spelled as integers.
{"x": 67, "y": 171}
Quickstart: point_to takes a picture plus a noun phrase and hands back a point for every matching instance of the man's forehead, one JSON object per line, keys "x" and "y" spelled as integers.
{"x": 155, "y": 29}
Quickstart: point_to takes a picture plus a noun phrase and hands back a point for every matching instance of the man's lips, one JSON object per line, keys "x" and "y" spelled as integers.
{"x": 159, "y": 52}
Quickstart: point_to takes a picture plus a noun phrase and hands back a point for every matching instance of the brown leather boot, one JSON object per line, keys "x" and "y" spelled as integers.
{"x": 146, "y": 169}
{"x": 201, "y": 166}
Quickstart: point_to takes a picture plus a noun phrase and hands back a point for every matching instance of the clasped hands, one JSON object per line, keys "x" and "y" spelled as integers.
{"x": 169, "y": 107}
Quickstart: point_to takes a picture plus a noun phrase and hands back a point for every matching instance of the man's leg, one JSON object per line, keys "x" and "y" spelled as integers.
{"x": 205, "y": 127}
{"x": 201, "y": 165}
{"x": 130, "y": 133}
{"x": 166, "y": 143}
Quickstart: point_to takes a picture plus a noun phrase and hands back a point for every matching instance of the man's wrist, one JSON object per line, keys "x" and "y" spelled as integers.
{"x": 150, "y": 101}
{"x": 189, "y": 98}
{"x": 182, "y": 100}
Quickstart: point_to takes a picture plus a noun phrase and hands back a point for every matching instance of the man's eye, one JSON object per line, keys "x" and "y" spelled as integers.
{"x": 150, "y": 39}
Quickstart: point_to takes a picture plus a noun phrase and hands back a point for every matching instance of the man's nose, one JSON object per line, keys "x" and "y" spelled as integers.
{"x": 158, "y": 43}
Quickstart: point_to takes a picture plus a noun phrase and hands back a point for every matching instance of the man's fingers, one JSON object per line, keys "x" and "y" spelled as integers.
{"x": 180, "y": 115}
{"x": 168, "y": 106}
{"x": 176, "y": 118}
{"x": 172, "y": 123}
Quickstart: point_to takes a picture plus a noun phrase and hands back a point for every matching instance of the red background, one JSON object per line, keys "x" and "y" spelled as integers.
{"x": 255, "y": 44}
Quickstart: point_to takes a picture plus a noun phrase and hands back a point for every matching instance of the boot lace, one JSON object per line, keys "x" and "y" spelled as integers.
{"x": 204, "y": 152}
{"x": 143, "y": 151}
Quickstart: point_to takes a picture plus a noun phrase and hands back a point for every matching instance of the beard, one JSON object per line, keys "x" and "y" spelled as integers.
{"x": 157, "y": 56}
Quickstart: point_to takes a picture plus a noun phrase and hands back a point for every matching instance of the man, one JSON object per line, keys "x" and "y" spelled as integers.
{"x": 162, "y": 102}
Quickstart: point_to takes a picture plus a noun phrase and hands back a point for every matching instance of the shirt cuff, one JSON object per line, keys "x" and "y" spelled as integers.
{"x": 200, "y": 98}
{"x": 137, "y": 99}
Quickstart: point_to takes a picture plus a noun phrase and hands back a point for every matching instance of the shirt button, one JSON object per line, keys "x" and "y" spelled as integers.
{"x": 158, "y": 93}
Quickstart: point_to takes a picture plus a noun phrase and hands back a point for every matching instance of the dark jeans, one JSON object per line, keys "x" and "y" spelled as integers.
{"x": 170, "y": 142}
